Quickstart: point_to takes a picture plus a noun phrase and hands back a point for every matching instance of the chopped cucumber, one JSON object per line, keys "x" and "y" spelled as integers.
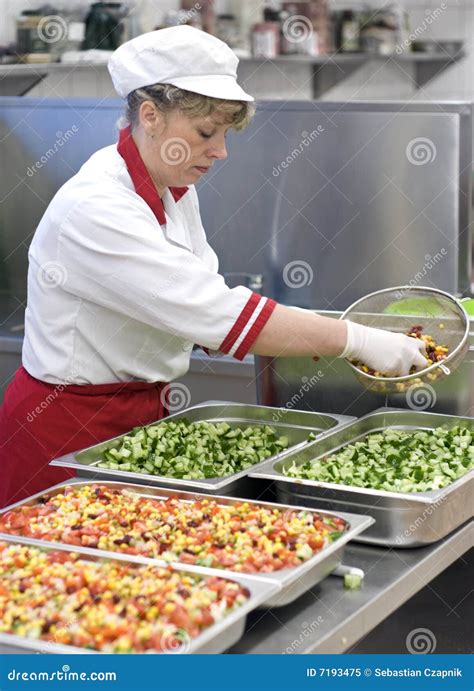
{"x": 352, "y": 581}
{"x": 395, "y": 460}
{"x": 193, "y": 450}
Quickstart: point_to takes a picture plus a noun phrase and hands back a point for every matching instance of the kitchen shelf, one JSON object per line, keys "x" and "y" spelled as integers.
{"x": 328, "y": 70}
{"x": 19, "y": 79}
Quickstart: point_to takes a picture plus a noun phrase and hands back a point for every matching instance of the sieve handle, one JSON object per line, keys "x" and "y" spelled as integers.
{"x": 445, "y": 369}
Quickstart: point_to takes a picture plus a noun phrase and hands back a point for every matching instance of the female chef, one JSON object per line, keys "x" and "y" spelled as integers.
{"x": 122, "y": 281}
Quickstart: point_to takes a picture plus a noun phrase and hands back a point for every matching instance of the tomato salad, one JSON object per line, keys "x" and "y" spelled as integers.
{"x": 240, "y": 536}
{"x": 113, "y": 607}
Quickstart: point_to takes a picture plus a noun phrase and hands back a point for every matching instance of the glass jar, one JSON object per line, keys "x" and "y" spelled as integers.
{"x": 265, "y": 40}
{"x": 104, "y": 26}
{"x": 29, "y": 38}
{"x": 228, "y": 30}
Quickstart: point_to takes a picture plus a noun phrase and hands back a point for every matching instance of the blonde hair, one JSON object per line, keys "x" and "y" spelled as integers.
{"x": 167, "y": 98}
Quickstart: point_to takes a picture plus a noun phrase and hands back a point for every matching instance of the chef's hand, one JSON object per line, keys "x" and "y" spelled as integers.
{"x": 390, "y": 353}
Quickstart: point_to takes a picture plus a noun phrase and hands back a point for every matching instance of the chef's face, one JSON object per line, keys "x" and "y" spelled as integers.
{"x": 181, "y": 149}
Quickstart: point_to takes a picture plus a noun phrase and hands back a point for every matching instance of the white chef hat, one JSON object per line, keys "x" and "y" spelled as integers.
{"x": 182, "y": 56}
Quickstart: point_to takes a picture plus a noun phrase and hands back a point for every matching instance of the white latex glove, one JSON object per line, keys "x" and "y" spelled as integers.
{"x": 390, "y": 353}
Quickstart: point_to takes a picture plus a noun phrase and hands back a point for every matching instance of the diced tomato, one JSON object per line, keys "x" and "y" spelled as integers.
{"x": 60, "y": 557}
{"x": 90, "y": 530}
{"x": 180, "y": 618}
{"x": 15, "y": 520}
{"x": 204, "y": 618}
{"x": 187, "y": 558}
{"x": 71, "y": 539}
{"x": 203, "y": 536}
{"x": 140, "y": 525}
{"x": 316, "y": 542}
{"x": 75, "y": 581}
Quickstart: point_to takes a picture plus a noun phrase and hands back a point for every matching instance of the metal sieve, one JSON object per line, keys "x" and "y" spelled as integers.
{"x": 401, "y": 308}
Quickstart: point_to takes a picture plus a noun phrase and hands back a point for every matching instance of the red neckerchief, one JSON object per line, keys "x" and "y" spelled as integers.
{"x": 141, "y": 177}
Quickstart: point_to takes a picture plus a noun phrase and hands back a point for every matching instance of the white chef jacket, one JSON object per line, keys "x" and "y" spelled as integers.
{"x": 120, "y": 291}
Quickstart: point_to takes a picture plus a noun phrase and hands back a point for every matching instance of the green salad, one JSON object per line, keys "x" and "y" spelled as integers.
{"x": 193, "y": 451}
{"x": 395, "y": 460}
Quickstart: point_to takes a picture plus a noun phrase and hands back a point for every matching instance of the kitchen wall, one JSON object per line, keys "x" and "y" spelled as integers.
{"x": 375, "y": 80}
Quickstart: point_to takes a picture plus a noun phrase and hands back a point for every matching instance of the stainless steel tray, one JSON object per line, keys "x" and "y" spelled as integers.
{"x": 401, "y": 519}
{"x": 292, "y": 582}
{"x": 215, "y": 639}
{"x": 295, "y": 424}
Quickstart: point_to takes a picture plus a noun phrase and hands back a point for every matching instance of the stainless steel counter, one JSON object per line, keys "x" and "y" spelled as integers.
{"x": 329, "y": 619}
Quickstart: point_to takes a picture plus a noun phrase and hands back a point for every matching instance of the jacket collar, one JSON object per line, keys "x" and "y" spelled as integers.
{"x": 141, "y": 177}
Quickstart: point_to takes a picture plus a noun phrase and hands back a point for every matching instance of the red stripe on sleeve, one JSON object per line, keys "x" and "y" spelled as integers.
{"x": 240, "y": 323}
{"x": 260, "y": 322}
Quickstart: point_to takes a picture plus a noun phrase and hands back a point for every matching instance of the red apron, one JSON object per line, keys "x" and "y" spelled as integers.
{"x": 39, "y": 421}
